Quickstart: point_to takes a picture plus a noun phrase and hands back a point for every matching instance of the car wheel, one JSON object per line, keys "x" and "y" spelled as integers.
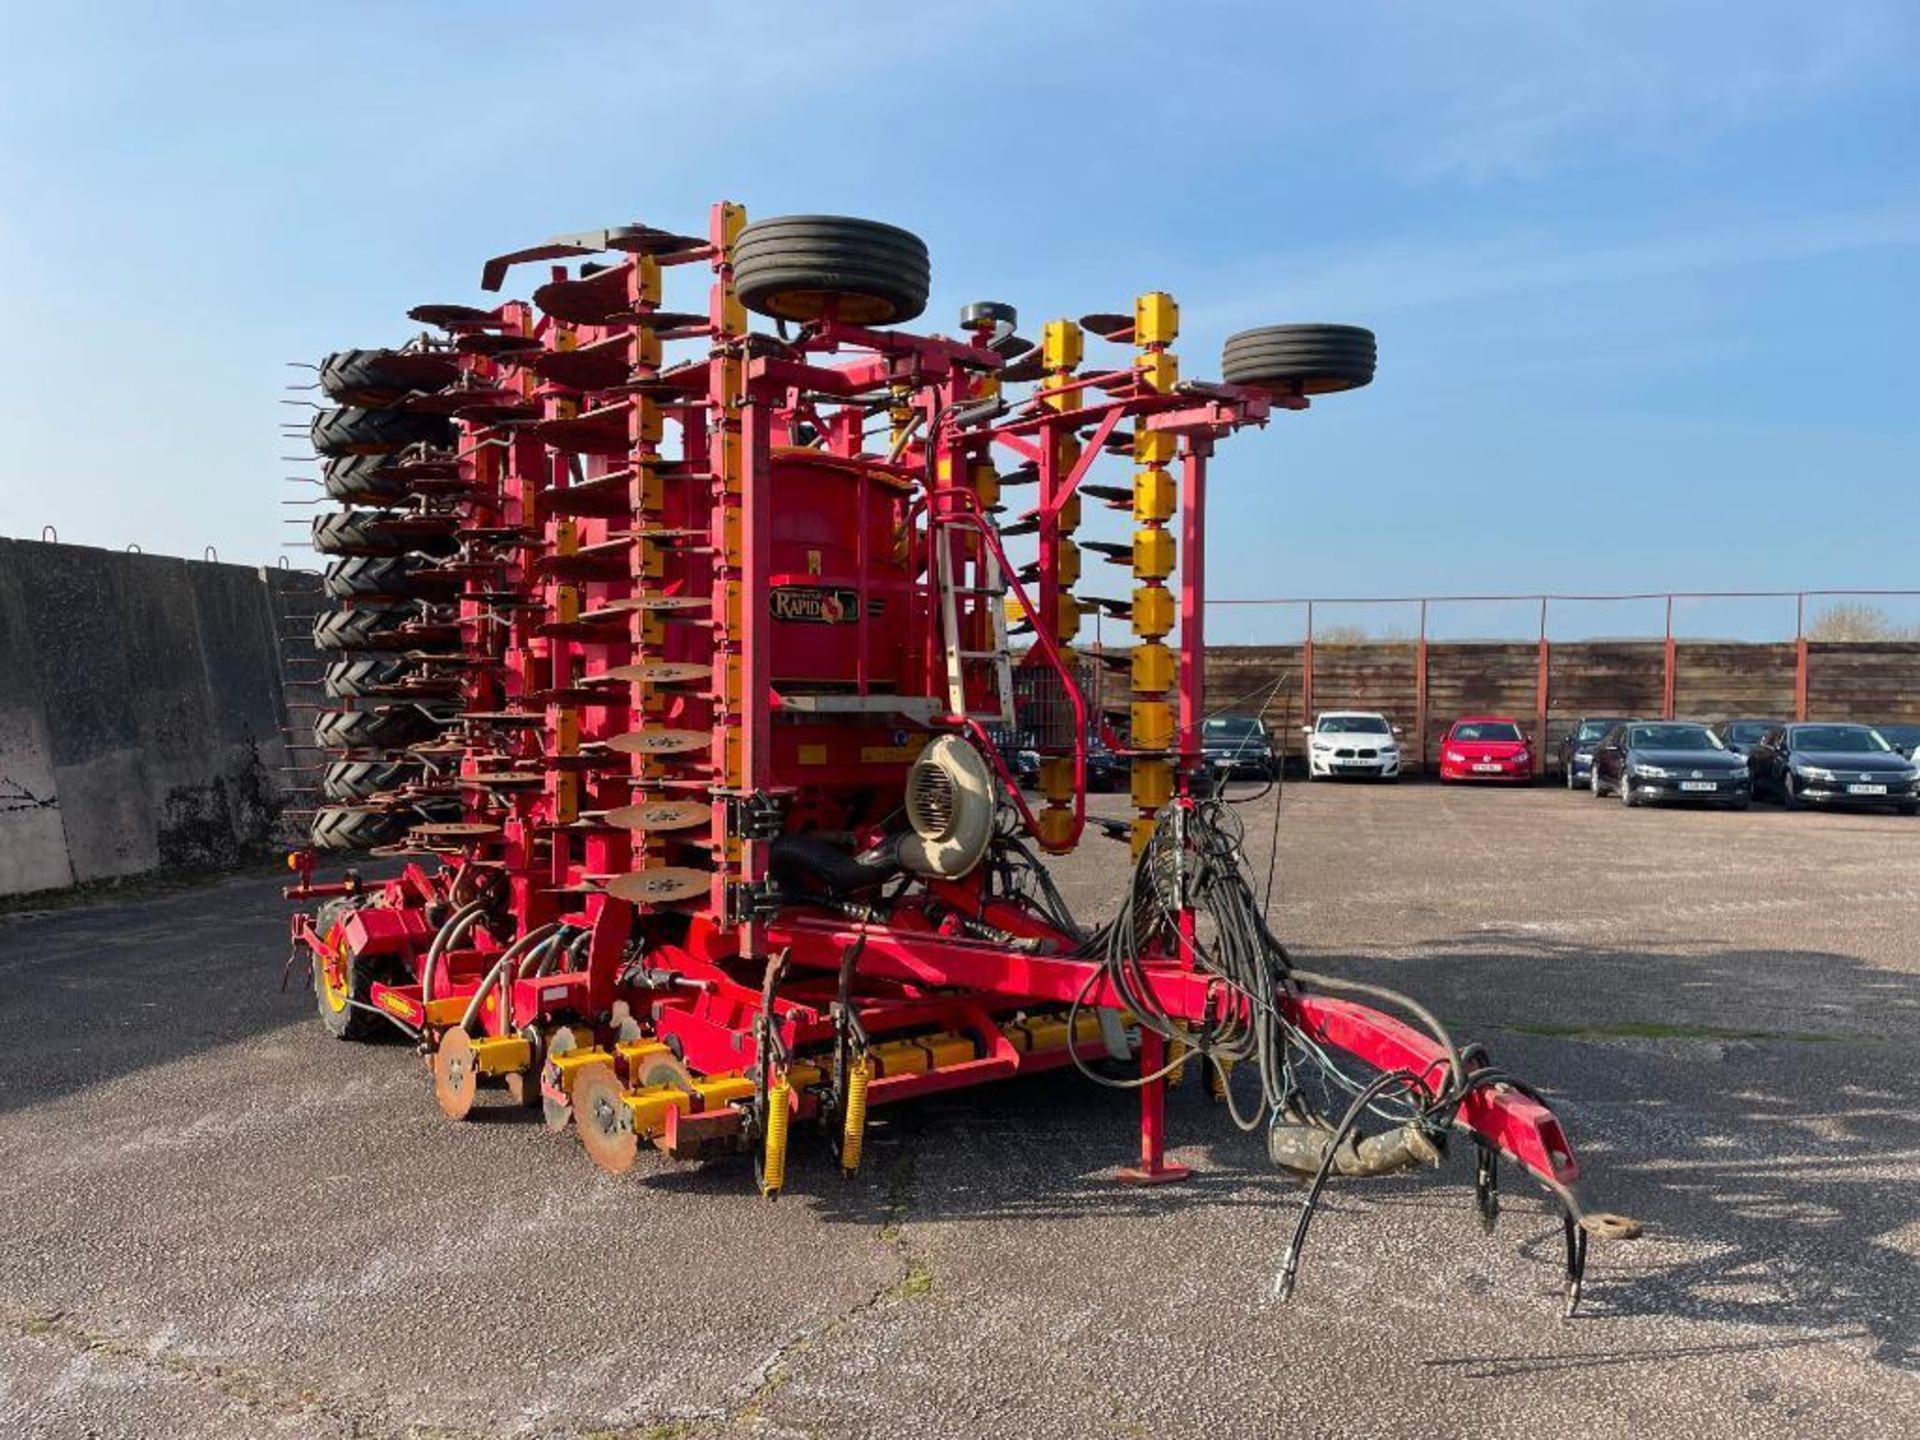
{"x": 1740, "y": 804}
{"x": 1571, "y": 782}
{"x": 1908, "y": 809}
{"x": 1789, "y": 793}
{"x": 1627, "y": 797}
{"x": 1593, "y": 783}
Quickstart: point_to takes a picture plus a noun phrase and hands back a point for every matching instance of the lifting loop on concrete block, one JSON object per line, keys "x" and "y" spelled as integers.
{"x": 49, "y": 535}
{"x": 210, "y": 555}
{"x": 134, "y": 549}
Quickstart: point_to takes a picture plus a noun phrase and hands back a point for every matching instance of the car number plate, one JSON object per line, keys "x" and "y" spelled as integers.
{"x": 1699, "y": 784}
{"x": 1866, "y": 789}
{"x": 1485, "y": 768}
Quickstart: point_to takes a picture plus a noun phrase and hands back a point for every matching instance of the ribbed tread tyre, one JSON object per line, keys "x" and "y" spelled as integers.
{"x": 360, "y": 780}
{"x": 397, "y": 577}
{"x": 1300, "y": 359}
{"x": 355, "y": 430}
{"x": 369, "y": 677}
{"x": 372, "y": 532}
{"x": 364, "y": 627}
{"x": 384, "y": 727}
{"x": 339, "y": 827}
{"x": 793, "y": 267}
{"x": 363, "y": 479}
{"x": 380, "y": 377}
{"x": 343, "y": 1021}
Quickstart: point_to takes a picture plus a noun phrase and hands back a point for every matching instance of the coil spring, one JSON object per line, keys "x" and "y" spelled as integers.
{"x": 773, "y": 1172}
{"x": 853, "y": 1138}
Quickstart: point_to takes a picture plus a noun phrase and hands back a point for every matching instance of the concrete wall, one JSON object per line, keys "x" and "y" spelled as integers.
{"x": 142, "y": 705}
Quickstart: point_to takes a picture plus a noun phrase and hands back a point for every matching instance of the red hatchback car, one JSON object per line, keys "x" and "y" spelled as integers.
{"x": 1486, "y": 747}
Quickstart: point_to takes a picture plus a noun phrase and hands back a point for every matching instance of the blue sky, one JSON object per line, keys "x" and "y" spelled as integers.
{"x": 1646, "y": 273}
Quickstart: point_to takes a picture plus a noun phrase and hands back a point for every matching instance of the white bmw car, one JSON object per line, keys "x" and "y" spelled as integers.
{"x": 1352, "y": 743}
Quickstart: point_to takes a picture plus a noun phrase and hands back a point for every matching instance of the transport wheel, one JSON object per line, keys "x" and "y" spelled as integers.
{"x": 385, "y": 727}
{"x": 369, "y": 676}
{"x": 339, "y": 980}
{"x": 380, "y": 377}
{"x": 355, "y": 430}
{"x": 362, "y": 780}
{"x": 794, "y": 267}
{"x": 365, "y": 479}
{"x": 456, "y": 1076}
{"x": 352, "y": 827}
{"x": 364, "y": 627}
{"x": 1300, "y": 359}
{"x": 601, "y": 1116}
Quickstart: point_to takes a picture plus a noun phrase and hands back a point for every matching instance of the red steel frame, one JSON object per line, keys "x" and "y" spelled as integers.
{"x": 577, "y": 522}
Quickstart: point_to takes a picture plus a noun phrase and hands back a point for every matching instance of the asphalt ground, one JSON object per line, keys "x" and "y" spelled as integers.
{"x": 214, "y": 1220}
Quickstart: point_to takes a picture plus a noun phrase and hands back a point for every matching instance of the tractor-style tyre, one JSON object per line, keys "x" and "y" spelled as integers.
{"x": 355, "y": 430}
{"x": 346, "y": 827}
{"x": 364, "y": 627}
{"x": 385, "y": 727}
{"x": 1299, "y": 359}
{"x": 794, "y": 267}
{"x": 358, "y": 781}
{"x": 363, "y": 479}
{"x": 380, "y": 377}
{"x": 369, "y": 678}
{"x": 388, "y": 577}
{"x": 372, "y": 532}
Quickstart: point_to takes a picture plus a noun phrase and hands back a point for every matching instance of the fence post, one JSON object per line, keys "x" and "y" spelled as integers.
{"x": 1666, "y": 685}
{"x": 1306, "y": 670}
{"x": 1420, "y": 687}
{"x": 1800, "y": 657}
{"x": 1540, "y": 699}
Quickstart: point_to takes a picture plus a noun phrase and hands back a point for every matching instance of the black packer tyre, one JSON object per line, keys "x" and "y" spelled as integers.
{"x": 372, "y": 533}
{"x": 358, "y": 781}
{"x": 385, "y": 727}
{"x": 393, "y": 577}
{"x": 363, "y": 479}
{"x": 344, "y": 828}
{"x": 355, "y": 430}
{"x": 793, "y": 267}
{"x": 364, "y": 627}
{"x": 380, "y": 377}
{"x": 1300, "y": 359}
{"x": 370, "y": 677}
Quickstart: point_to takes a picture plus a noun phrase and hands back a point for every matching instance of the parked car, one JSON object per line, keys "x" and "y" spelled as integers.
{"x": 1834, "y": 765}
{"x": 1238, "y": 746}
{"x": 1740, "y": 736}
{"x": 1904, "y": 738}
{"x": 1359, "y": 743}
{"x": 1576, "y": 750}
{"x": 1486, "y": 747}
{"x": 1647, "y": 760}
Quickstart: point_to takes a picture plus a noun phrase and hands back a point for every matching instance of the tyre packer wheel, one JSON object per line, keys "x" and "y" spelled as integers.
{"x": 1300, "y": 359}
{"x": 798, "y": 267}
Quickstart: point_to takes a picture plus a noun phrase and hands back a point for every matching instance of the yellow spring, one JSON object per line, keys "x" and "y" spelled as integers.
{"x": 1177, "y": 1051}
{"x": 855, "y": 1134}
{"x": 773, "y": 1173}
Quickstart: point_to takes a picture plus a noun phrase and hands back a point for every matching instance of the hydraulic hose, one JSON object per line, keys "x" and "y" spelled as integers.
{"x": 445, "y": 938}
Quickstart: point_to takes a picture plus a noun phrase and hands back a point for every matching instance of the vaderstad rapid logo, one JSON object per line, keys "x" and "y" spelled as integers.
{"x": 812, "y": 606}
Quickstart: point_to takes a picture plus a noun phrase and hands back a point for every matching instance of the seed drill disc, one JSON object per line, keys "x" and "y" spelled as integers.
{"x": 661, "y": 602}
{"x": 660, "y": 815}
{"x": 555, "y": 1108}
{"x": 456, "y": 1078}
{"x": 661, "y": 672}
{"x": 660, "y": 885}
{"x": 660, "y": 742}
{"x": 603, "y": 1119}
